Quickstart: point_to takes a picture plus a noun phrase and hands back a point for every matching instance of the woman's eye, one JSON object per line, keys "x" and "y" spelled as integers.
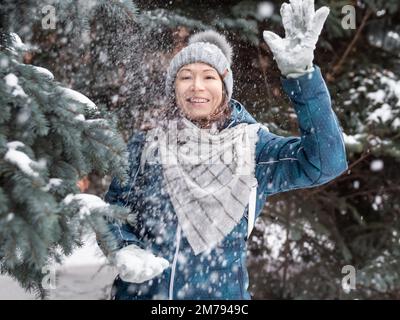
{"x": 189, "y": 77}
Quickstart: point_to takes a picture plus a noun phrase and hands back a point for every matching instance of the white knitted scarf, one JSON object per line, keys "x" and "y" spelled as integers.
{"x": 209, "y": 176}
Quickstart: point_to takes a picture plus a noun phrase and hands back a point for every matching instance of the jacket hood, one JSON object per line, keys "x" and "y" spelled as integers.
{"x": 239, "y": 114}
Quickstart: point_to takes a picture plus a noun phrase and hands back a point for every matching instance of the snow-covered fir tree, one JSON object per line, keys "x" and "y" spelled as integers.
{"x": 50, "y": 137}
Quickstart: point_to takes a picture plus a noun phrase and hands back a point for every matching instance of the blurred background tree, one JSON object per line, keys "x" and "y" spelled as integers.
{"x": 117, "y": 53}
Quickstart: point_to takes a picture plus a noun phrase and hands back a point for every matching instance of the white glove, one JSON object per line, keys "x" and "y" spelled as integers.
{"x": 295, "y": 53}
{"x": 137, "y": 265}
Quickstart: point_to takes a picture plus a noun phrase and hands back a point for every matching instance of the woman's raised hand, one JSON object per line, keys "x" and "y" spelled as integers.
{"x": 294, "y": 54}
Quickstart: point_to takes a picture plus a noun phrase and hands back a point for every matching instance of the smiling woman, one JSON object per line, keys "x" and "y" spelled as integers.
{"x": 200, "y": 94}
{"x": 198, "y": 90}
{"x": 198, "y": 183}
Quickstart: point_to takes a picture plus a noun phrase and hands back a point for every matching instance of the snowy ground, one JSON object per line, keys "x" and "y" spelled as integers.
{"x": 83, "y": 276}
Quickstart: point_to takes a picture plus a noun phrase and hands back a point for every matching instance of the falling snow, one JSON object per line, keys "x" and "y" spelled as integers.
{"x": 376, "y": 165}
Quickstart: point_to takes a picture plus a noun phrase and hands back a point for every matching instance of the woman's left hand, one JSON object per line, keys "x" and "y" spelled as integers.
{"x": 294, "y": 54}
{"x": 138, "y": 265}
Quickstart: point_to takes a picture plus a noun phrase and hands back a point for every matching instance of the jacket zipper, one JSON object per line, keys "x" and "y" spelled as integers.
{"x": 241, "y": 274}
{"x": 173, "y": 268}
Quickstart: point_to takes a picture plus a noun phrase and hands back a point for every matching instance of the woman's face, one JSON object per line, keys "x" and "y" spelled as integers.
{"x": 198, "y": 90}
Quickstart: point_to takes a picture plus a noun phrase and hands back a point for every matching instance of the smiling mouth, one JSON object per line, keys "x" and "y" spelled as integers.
{"x": 197, "y": 100}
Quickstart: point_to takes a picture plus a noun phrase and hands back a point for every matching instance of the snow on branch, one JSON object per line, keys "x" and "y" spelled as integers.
{"x": 79, "y": 97}
{"x": 21, "y": 159}
{"x": 12, "y": 81}
{"x": 87, "y": 202}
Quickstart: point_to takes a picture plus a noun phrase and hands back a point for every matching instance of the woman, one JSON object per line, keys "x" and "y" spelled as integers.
{"x": 199, "y": 178}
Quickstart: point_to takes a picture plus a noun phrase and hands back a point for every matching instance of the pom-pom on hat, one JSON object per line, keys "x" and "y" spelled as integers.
{"x": 208, "y": 47}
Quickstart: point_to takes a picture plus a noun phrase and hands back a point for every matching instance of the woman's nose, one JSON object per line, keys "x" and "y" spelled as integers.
{"x": 197, "y": 84}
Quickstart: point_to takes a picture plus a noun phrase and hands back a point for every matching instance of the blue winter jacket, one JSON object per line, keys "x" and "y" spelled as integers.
{"x": 282, "y": 164}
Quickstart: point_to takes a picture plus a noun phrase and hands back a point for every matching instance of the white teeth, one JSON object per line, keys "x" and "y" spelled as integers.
{"x": 198, "y": 100}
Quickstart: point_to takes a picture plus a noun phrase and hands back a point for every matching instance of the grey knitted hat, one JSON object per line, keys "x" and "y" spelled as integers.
{"x": 209, "y": 47}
